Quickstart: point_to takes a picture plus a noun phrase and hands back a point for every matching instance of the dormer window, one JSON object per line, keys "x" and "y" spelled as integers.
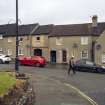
{"x": 1, "y": 36}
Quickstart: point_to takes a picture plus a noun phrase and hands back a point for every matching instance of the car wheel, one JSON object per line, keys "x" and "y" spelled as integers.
{"x": 7, "y": 62}
{"x": 37, "y": 64}
{"x": 1, "y": 61}
{"x": 99, "y": 70}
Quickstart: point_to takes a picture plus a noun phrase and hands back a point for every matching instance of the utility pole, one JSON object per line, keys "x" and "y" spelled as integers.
{"x": 17, "y": 41}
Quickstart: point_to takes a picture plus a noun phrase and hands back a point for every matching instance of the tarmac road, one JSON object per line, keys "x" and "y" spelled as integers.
{"x": 54, "y": 87}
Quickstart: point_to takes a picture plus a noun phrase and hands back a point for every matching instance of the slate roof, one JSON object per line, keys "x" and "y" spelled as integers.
{"x": 44, "y": 29}
{"x": 26, "y": 29}
{"x": 77, "y": 29}
{"x": 54, "y": 30}
{"x": 9, "y": 29}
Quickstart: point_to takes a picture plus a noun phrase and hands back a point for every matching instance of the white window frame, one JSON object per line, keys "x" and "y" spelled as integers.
{"x": 20, "y": 38}
{"x": 20, "y": 50}
{"x": 103, "y": 57}
{"x": 59, "y": 41}
{"x": 1, "y": 50}
{"x": 85, "y": 52}
{"x": 9, "y": 39}
{"x": 9, "y": 51}
{"x": 1, "y": 36}
{"x": 84, "y": 40}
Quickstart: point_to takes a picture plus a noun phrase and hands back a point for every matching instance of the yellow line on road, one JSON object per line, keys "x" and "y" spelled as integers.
{"x": 77, "y": 90}
{"x": 81, "y": 93}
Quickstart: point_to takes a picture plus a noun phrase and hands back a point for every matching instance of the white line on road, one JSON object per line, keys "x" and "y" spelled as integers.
{"x": 81, "y": 93}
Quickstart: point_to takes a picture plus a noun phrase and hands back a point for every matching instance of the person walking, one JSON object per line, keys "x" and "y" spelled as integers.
{"x": 71, "y": 65}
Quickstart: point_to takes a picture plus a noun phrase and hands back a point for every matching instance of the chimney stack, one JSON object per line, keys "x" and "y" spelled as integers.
{"x": 94, "y": 21}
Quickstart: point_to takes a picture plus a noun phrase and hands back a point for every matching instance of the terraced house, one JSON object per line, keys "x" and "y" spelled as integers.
{"x": 57, "y": 43}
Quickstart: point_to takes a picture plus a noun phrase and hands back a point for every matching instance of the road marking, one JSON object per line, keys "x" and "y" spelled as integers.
{"x": 81, "y": 93}
{"x": 77, "y": 90}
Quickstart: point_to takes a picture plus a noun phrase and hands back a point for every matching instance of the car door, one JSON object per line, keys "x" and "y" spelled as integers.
{"x": 90, "y": 66}
{"x": 80, "y": 64}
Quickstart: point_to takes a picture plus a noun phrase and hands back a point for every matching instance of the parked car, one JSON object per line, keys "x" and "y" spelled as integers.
{"x": 86, "y": 65}
{"x": 5, "y": 58}
{"x": 34, "y": 60}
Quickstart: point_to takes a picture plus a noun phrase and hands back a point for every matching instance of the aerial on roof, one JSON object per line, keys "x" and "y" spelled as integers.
{"x": 53, "y": 30}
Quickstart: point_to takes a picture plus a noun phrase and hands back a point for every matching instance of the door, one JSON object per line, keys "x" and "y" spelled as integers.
{"x": 38, "y": 52}
{"x": 53, "y": 56}
{"x": 64, "y": 55}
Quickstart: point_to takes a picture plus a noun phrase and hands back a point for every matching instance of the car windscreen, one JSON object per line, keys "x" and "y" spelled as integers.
{"x": 80, "y": 62}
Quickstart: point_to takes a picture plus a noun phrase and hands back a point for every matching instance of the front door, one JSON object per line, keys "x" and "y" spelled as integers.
{"x": 38, "y": 52}
{"x": 64, "y": 56}
{"x": 53, "y": 56}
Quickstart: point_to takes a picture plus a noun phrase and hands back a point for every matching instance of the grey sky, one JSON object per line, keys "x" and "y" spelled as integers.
{"x": 52, "y": 11}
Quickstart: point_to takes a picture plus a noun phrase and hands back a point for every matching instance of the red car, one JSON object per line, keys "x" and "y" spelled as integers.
{"x": 35, "y": 61}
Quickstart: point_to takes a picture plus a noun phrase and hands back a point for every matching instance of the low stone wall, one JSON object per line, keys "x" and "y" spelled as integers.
{"x": 20, "y": 94}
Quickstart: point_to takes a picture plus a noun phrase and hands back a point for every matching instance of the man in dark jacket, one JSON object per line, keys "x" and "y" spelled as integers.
{"x": 71, "y": 65}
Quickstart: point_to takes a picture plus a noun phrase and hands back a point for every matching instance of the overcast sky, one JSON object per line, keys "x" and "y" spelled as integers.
{"x": 52, "y": 11}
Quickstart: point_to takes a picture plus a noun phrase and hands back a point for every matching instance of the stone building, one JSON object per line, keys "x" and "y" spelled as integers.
{"x": 57, "y": 43}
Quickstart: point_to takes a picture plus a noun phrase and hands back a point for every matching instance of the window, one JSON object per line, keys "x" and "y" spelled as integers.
{"x": 20, "y": 51}
{"x": 103, "y": 57}
{"x": 1, "y": 50}
{"x": 84, "y": 40}
{"x": 9, "y": 40}
{"x": 59, "y": 41}
{"x": 37, "y": 38}
{"x": 1, "y": 36}
{"x": 9, "y": 52}
{"x": 89, "y": 63}
{"x": 84, "y": 54}
{"x": 20, "y": 39}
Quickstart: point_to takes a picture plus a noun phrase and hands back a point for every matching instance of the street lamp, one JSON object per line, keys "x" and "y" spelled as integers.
{"x": 17, "y": 42}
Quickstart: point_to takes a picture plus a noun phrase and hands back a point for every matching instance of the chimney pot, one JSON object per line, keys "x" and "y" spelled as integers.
{"x": 94, "y": 21}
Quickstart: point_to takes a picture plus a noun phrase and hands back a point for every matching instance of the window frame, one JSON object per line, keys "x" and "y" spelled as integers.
{"x": 38, "y": 38}
{"x": 84, "y": 57}
{"x": 9, "y": 51}
{"x": 20, "y": 50}
{"x": 9, "y": 40}
{"x": 59, "y": 41}
{"x": 103, "y": 57}
{"x": 1, "y": 36}
{"x": 1, "y": 50}
{"x": 20, "y": 38}
{"x": 84, "y": 40}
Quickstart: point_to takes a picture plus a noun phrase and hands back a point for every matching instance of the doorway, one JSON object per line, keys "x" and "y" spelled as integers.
{"x": 53, "y": 56}
{"x": 38, "y": 52}
{"x": 64, "y": 56}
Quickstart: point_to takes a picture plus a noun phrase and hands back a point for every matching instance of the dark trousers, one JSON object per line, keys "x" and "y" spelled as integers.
{"x": 71, "y": 69}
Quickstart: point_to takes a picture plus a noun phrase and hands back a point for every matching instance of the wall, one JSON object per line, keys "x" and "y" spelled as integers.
{"x": 67, "y": 44}
{"x": 101, "y": 50}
